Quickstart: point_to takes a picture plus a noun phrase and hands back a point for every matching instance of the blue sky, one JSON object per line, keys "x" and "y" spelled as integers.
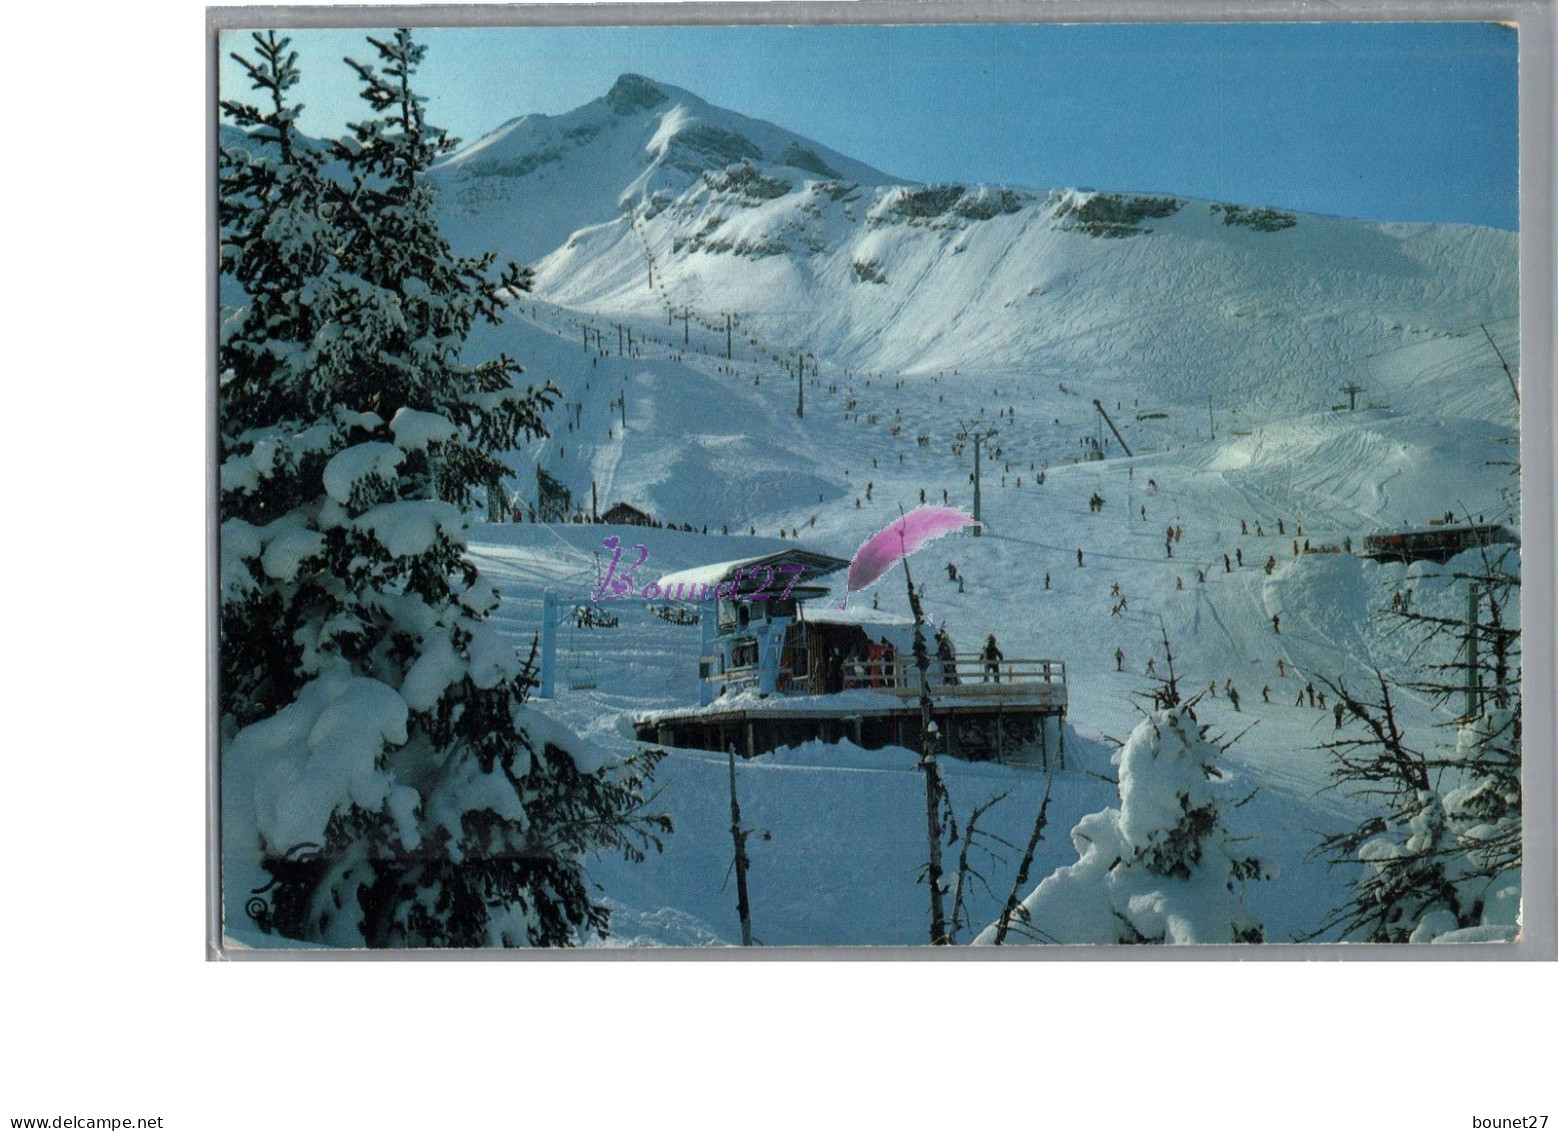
{"x": 1380, "y": 121}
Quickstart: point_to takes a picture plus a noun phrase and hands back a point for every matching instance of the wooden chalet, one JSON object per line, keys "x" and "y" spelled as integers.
{"x": 623, "y": 514}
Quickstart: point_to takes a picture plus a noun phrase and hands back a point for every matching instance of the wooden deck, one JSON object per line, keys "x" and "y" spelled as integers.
{"x": 1018, "y": 718}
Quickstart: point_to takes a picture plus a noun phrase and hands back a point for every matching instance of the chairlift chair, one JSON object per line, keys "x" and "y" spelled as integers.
{"x": 581, "y": 675}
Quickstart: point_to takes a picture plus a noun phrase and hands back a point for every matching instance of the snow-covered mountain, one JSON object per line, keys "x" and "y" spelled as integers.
{"x": 649, "y": 201}
{"x": 537, "y": 179}
{"x": 1164, "y": 292}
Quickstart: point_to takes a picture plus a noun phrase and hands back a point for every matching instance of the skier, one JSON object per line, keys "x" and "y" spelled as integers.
{"x": 1336, "y": 713}
{"x": 1152, "y": 666}
{"x": 1276, "y": 623}
{"x": 1265, "y": 693}
{"x": 1046, "y": 579}
{"x": 952, "y": 572}
{"x": 1227, "y": 565}
{"x": 1309, "y": 690}
{"x": 1281, "y": 668}
{"x": 889, "y": 659}
{"x": 947, "y": 656}
{"x": 1239, "y": 555}
{"x": 992, "y": 657}
{"x": 1244, "y": 527}
{"x": 1119, "y": 659}
{"x": 1079, "y": 557}
{"x": 1233, "y": 697}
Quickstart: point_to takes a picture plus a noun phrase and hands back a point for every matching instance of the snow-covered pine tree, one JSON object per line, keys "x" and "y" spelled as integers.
{"x": 383, "y": 781}
{"x": 1163, "y": 867}
{"x": 1441, "y": 856}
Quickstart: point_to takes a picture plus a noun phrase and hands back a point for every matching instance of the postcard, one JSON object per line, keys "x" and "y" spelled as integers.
{"x": 1003, "y": 486}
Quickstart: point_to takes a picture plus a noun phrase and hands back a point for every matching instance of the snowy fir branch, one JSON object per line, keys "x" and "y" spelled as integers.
{"x": 385, "y": 782}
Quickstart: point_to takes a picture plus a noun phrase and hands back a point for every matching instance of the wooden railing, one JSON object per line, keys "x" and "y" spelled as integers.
{"x": 900, "y": 673}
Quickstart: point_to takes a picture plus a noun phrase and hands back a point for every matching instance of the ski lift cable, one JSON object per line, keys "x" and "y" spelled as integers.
{"x": 589, "y": 562}
{"x": 1430, "y": 341}
{"x": 539, "y": 576}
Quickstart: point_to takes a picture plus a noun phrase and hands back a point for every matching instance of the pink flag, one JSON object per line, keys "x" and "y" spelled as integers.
{"x": 882, "y": 551}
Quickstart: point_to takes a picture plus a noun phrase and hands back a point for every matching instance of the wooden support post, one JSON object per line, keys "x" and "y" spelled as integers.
{"x": 739, "y": 835}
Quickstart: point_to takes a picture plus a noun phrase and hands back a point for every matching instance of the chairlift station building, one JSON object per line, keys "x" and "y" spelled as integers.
{"x": 778, "y": 667}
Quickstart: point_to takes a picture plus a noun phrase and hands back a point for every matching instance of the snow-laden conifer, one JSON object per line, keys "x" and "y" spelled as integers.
{"x": 1439, "y": 859}
{"x": 1163, "y": 867}
{"x": 383, "y": 781}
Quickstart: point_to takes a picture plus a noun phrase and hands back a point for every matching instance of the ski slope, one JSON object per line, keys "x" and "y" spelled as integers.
{"x": 1220, "y": 351}
{"x": 846, "y": 825}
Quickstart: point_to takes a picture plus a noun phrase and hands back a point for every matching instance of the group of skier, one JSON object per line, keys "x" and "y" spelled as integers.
{"x": 990, "y": 657}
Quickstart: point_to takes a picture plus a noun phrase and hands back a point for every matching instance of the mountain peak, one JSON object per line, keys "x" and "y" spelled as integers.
{"x": 540, "y": 178}
{"x": 632, "y": 93}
